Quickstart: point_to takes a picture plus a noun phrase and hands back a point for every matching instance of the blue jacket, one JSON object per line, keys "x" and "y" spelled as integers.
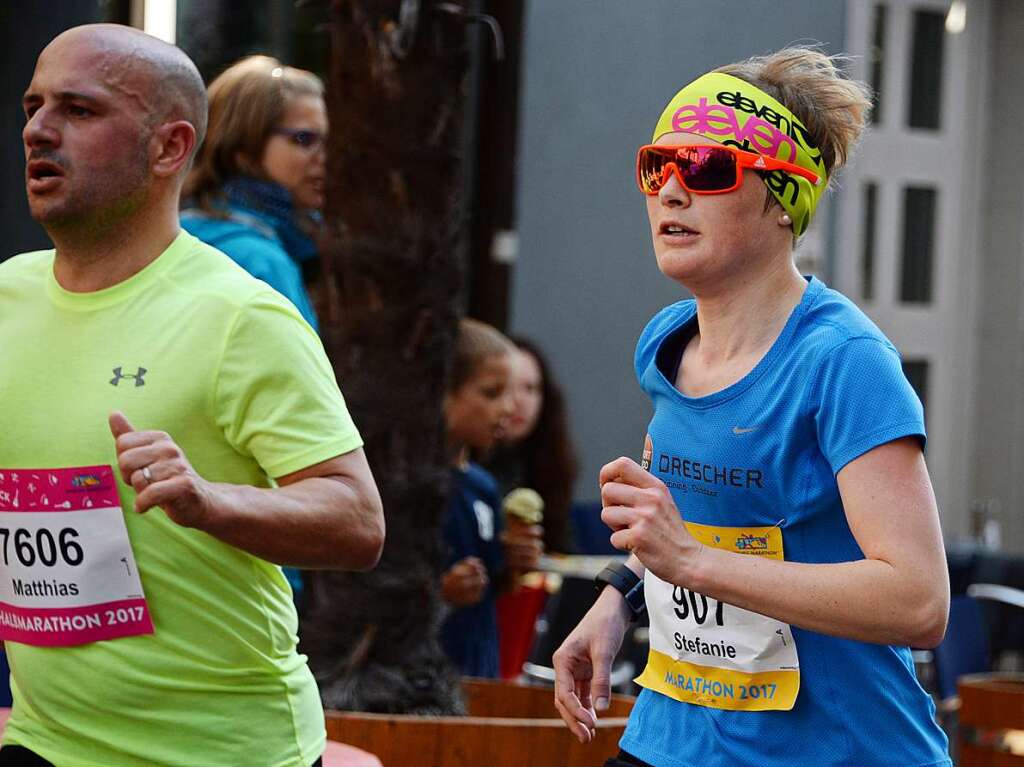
{"x": 472, "y": 528}
{"x": 260, "y": 235}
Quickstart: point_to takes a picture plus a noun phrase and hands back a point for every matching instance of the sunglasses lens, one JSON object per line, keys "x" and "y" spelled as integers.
{"x": 702, "y": 168}
{"x": 709, "y": 169}
{"x": 651, "y": 169}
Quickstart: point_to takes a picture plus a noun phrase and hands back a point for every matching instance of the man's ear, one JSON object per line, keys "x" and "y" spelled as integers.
{"x": 174, "y": 143}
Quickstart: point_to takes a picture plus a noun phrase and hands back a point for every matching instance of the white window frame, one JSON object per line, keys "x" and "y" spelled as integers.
{"x": 949, "y": 159}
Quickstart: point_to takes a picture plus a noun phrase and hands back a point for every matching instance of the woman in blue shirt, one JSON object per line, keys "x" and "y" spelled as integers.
{"x": 782, "y": 527}
{"x": 257, "y": 187}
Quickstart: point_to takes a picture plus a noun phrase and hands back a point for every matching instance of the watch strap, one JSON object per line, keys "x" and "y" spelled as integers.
{"x": 626, "y": 582}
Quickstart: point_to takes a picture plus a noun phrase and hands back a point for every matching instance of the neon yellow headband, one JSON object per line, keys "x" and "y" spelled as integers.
{"x": 732, "y": 111}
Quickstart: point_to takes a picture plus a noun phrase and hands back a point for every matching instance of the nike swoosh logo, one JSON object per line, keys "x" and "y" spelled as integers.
{"x": 741, "y": 430}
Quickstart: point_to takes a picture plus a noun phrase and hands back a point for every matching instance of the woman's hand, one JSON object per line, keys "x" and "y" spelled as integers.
{"x": 465, "y": 582}
{"x": 639, "y": 508}
{"x": 583, "y": 664}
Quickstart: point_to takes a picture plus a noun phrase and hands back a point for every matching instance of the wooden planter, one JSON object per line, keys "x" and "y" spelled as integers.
{"x": 508, "y": 725}
{"x": 991, "y": 705}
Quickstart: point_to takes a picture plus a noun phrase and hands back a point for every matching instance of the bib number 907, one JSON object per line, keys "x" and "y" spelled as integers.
{"x": 690, "y": 603}
{"x": 42, "y": 546}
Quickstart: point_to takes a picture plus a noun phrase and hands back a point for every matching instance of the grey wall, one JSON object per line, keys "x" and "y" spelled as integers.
{"x": 597, "y": 74}
{"x": 999, "y": 410}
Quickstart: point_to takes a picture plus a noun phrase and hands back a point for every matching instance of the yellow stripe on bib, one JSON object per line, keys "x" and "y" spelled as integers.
{"x": 754, "y": 541}
{"x": 719, "y": 687}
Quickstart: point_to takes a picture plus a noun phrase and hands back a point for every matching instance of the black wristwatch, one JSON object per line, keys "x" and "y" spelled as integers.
{"x": 627, "y": 583}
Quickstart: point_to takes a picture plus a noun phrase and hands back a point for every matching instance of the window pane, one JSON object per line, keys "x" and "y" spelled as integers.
{"x": 918, "y": 244}
{"x": 216, "y": 33}
{"x": 926, "y": 69}
{"x": 916, "y": 372}
{"x": 867, "y": 248}
{"x": 876, "y": 59}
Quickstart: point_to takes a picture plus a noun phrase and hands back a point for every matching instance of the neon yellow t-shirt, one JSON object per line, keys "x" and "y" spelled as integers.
{"x": 235, "y": 376}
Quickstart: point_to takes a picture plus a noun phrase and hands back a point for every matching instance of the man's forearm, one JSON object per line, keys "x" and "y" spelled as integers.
{"x": 316, "y": 523}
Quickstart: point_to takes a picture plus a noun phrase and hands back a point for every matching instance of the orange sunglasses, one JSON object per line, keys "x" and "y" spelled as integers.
{"x": 704, "y": 168}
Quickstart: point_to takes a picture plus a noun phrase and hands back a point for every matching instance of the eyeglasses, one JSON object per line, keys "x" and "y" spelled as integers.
{"x": 310, "y": 140}
{"x": 704, "y": 168}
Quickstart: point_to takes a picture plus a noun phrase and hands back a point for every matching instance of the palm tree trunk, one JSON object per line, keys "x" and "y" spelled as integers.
{"x": 394, "y": 250}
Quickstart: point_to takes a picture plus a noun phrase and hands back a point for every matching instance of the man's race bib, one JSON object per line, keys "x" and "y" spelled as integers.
{"x": 67, "y": 571}
{"x": 713, "y": 654}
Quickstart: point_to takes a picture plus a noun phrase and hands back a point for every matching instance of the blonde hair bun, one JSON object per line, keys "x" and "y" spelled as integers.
{"x": 812, "y": 85}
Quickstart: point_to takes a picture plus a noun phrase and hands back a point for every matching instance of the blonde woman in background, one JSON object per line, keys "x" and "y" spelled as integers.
{"x": 257, "y": 186}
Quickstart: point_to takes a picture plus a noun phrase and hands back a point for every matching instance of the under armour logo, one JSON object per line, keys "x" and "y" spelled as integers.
{"x": 118, "y": 375}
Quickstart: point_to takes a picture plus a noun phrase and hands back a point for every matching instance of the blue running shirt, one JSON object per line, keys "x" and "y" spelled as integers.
{"x": 764, "y": 453}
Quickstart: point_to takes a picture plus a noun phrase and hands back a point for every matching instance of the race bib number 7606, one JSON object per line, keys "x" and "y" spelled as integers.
{"x": 67, "y": 570}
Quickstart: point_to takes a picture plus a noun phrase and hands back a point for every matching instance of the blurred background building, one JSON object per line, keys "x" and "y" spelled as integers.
{"x": 924, "y": 231}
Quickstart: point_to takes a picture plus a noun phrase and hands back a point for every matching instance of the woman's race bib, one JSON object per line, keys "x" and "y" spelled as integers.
{"x": 67, "y": 571}
{"x": 714, "y": 654}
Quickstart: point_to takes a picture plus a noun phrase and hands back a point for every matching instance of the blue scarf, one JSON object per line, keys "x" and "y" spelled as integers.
{"x": 272, "y": 204}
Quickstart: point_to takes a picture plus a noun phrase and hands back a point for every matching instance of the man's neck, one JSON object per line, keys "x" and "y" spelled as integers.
{"x": 88, "y": 261}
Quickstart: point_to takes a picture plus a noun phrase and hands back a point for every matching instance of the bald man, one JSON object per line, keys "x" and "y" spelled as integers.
{"x": 171, "y": 433}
